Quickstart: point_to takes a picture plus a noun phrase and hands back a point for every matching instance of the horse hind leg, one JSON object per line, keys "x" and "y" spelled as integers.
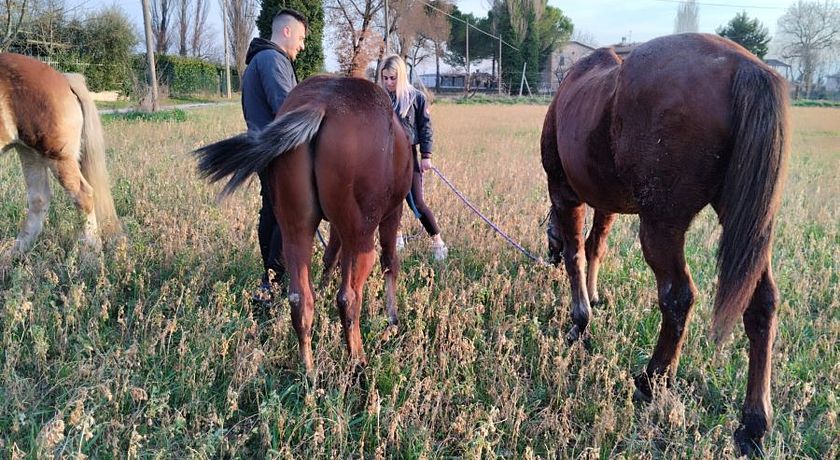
{"x": 297, "y": 247}
{"x": 356, "y": 265}
{"x": 662, "y": 245}
{"x": 596, "y": 247}
{"x": 66, "y": 170}
{"x": 38, "y": 195}
{"x": 330, "y": 260}
{"x": 390, "y": 262}
{"x": 555, "y": 238}
{"x": 760, "y": 326}
{"x": 570, "y": 219}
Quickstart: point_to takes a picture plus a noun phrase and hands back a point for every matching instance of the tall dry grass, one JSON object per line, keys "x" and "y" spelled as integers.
{"x": 158, "y": 353}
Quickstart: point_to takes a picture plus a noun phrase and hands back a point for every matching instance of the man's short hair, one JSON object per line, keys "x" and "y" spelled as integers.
{"x": 284, "y": 17}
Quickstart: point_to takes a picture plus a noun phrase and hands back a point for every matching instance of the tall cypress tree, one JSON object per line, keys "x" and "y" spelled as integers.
{"x": 749, "y": 33}
{"x": 311, "y": 60}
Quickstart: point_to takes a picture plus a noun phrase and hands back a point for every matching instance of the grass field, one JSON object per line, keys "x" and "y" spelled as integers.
{"x": 158, "y": 353}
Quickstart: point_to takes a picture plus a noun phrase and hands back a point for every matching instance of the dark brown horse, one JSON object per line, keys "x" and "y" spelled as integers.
{"x": 52, "y": 122}
{"x": 336, "y": 152}
{"x": 684, "y": 121}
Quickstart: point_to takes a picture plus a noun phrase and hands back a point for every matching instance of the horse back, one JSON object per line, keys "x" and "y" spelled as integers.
{"x": 37, "y": 106}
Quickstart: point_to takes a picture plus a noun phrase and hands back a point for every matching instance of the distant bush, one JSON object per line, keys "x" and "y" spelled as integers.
{"x": 186, "y": 76}
{"x": 179, "y": 77}
{"x": 176, "y": 115}
{"x": 813, "y": 103}
{"x": 495, "y": 99}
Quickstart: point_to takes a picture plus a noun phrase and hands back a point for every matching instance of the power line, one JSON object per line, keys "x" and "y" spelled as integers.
{"x": 469, "y": 25}
{"x": 726, "y": 5}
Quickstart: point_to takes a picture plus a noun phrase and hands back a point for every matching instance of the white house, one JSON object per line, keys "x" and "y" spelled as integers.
{"x": 560, "y": 61}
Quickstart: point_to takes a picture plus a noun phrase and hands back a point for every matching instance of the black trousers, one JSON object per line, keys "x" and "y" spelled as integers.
{"x": 268, "y": 232}
{"x": 416, "y": 202}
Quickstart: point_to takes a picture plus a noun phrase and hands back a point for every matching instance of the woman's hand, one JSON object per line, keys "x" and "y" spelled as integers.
{"x": 425, "y": 164}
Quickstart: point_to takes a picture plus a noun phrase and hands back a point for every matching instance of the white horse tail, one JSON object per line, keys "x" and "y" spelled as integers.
{"x": 93, "y": 158}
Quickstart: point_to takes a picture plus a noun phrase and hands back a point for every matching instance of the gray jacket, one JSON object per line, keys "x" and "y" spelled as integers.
{"x": 266, "y": 81}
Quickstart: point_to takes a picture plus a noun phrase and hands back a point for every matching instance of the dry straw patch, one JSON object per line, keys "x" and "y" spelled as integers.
{"x": 157, "y": 351}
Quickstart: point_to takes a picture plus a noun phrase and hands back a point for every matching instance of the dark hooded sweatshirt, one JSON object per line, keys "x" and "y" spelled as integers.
{"x": 266, "y": 81}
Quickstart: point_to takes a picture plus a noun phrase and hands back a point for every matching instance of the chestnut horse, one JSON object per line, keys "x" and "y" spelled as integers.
{"x": 336, "y": 152}
{"x": 52, "y": 122}
{"x": 684, "y": 121}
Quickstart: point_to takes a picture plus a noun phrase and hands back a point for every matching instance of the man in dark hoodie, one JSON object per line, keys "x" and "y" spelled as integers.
{"x": 266, "y": 81}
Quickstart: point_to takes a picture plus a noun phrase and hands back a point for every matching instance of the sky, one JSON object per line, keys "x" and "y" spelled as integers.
{"x": 606, "y": 21}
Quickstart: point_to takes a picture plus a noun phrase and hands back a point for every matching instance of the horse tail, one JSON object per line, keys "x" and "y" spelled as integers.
{"x": 241, "y": 156}
{"x": 92, "y": 161}
{"x": 752, "y": 189}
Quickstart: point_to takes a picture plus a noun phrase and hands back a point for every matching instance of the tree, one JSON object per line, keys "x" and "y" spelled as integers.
{"x": 311, "y": 60}
{"x": 437, "y": 31}
{"x": 200, "y": 36}
{"x": 535, "y": 29}
{"x": 554, "y": 28}
{"x": 161, "y": 18}
{"x": 241, "y": 26}
{"x": 687, "y": 17}
{"x": 105, "y": 41}
{"x": 12, "y": 13}
{"x": 353, "y": 33}
{"x": 44, "y": 31}
{"x": 583, "y": 36}
{"x": 481, "y": 45}
{"x": 749, "y": 33}
{"x": 183, "y": 25}
{"x": 808, "y": 31}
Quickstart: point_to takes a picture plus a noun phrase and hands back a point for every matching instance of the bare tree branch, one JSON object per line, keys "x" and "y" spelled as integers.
{"x": 241, "y": 27}
{"x": 160, "y": 24}
{"x": 808, "y": 32}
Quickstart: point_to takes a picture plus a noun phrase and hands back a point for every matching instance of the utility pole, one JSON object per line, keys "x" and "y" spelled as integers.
{"x": 499, "y": 84}
{"x": 150, "y": 55}
{"x": 387, "y": 31}
{"x": 227, "y": 53}
{"x": 467, "y": 54}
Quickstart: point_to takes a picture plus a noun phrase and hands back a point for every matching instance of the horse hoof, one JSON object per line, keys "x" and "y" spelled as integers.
{"x": 747, "y": 445}
{"x": 750, "y": 433}
{"x": 573, "y": 335}
{"x": 641, "y": 397}
{"x": 644, "y": 392}
{"x": 359, "y": 378}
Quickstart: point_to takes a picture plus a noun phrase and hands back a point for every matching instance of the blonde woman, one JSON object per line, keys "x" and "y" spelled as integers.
{"x": 412, "y": 109}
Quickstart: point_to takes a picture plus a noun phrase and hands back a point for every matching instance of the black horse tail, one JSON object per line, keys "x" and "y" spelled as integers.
{"x": 241, "y": 156}
{"x": 752, "y": 190}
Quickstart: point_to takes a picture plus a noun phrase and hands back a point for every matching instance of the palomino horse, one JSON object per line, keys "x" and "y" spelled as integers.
{"x": 336, "y": 152}
{"x": 52, "y": 122}
{"x": 684, "y": 121}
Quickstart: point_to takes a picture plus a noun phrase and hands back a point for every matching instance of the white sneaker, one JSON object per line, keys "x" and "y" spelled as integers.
{"x": 400, "y": 242}
{"x": 440, "y": 251}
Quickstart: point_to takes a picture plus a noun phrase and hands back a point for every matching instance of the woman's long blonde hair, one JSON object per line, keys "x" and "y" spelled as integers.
{"x": 404, "y": 92}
